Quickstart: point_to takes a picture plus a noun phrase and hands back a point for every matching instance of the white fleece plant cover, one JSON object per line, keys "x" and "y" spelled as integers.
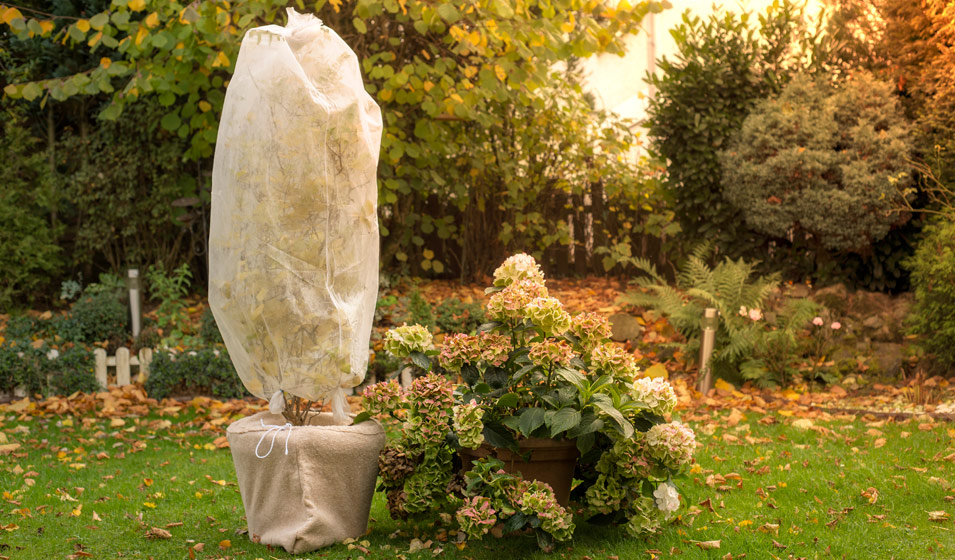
{"x": 293, "y": 249}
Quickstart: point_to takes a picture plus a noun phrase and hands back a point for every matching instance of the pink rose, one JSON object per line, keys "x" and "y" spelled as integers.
{"x": 817, "y": 321}
{"x": 836, "y": 326}
{"x": 755, "y": 314}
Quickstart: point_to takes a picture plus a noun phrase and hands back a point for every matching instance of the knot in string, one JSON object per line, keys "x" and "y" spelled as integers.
{"x": 274, "y": 429}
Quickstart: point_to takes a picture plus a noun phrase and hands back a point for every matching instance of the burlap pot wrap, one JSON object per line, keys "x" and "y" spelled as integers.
{"x": 316, "y": 495}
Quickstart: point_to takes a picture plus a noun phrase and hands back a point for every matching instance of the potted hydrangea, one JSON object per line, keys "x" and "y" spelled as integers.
{"x": 535, "y": 385}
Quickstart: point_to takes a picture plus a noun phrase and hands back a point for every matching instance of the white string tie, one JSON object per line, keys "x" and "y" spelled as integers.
{"x": 274, "y": 429}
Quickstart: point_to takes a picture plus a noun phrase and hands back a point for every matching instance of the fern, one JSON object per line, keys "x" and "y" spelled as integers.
{"x": 727, "y": 287}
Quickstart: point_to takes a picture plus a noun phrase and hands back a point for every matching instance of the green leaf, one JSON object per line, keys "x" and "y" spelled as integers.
{"x": 111, "y": 112}
{"x": 565, "y": 419}
{"x": 171, "y": 122}
{"x": 531, "y": 419}
{"x": 12, "y": 90}
{"x": 31, "y": 91}
{"x": 99, "y": 21}
{"x": 421, "y": 360}
{"x": 362, "y": 417}
{"x": 570, "y": 376}
{"x": 508, "y": 400}
{"x": 496, "y": 435}
{"x": 589, "y": 423}
{"x": 448, "y": 12}
{"x": 359, "y": 26}
{"x": 586, "y": 442}
{"x": 622, "y": 424}
{"x": 514, "y": 523}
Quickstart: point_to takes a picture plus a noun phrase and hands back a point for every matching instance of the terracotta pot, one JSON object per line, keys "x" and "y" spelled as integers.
{"x": 548, "y": 460}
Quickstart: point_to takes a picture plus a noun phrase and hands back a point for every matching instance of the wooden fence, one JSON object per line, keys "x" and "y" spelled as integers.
{"x": 123, "y": 362}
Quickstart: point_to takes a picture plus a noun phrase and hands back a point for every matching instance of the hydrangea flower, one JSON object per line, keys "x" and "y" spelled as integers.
{"x": 656, "y": 393}
{"x": 667, "y": 498}
{"x": 509, "y": 304}
{"x": 548, "y": 314}
{"x": 755, "y": 314}
{"x": 476, "y": 516}
{"x": 610, "y": 358}
{"x": 590, "y": 329}
{"x": 468, "y": 424}
{"x": 460, "y": 349}
{"x": 404, "y": 340}
{"x": 383, "y": 398}
{"x": 646, "y": 518}
{"x": 431, "y": 392}
{"x": 550, "y": 353}
{"x": 672, "y": 444}
{"x": 537, "y": 498}
{"x": 517, "y": 268}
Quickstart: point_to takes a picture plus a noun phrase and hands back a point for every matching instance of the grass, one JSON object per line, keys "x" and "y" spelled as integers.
{"x": 99, "y": 487}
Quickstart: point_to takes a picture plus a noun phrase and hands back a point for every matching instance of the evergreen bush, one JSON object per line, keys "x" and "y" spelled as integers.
{"x": 821, "y": 163}
{"x": 933, "y": 277}
{"x": 208, "y": 371}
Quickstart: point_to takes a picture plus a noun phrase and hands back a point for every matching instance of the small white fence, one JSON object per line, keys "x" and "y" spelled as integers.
{"x": 123, "y": 361}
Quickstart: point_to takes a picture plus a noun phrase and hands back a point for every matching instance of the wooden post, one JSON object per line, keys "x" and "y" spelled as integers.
{"x": 710, "y": 324}
{"x": 145, "y": 357}
{"x": 100, "y": 356}
{"x": 122, "y": 366}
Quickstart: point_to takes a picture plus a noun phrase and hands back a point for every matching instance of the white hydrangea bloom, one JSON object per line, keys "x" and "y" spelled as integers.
{"x": 656, "y": 393}
{"x": 516, "y": 268}
{"x": 667, "y": 498}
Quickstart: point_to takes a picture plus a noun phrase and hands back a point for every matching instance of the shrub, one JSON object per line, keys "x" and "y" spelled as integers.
{"x": 44, "y": 370}
{"x": 95, "y": 318}
{"x": 207, "y": 371}
{"x": 29, "y": 255}
{"x": 418, "y": 309}
{"x": 209, "y": 329}
{"x": 73, "y": 370}
{"x": 454, "y": 316}
{"x": 822, "y": 163}
{"x": 777, "y": 353}
{"x": 171, "y": 290}
{"x": 19, "y": 364}
{"x": 933, "y": 277}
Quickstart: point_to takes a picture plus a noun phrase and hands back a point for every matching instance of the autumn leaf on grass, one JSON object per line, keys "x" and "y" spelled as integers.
{"x": 707, "y": 545}
{"x": 870, "y": 494}
{"x": 939, "y": 516}
{"x": 778, "y": 544}
{"x": 157, "y": 533}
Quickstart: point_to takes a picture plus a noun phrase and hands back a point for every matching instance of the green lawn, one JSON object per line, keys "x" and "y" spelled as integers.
{"x": 80, "y": 486}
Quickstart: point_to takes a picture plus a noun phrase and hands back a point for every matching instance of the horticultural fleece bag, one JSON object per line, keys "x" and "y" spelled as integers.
{"x": 293, "y": 246}
{"x": 319, "y": 493}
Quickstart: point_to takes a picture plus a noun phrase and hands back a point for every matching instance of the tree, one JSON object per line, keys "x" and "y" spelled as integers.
{"x": 725, "y": 65}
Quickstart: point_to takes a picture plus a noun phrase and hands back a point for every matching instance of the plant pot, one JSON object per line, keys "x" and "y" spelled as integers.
{"x": 317, "y": 494}
{"x": 548, "y": 460}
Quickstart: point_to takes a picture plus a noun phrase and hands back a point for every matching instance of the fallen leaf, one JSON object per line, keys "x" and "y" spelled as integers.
{"x": 879, "y": 442}
{"x": 707, "y": 545}
{"x": 224, "y": 544}
{"x": 157, "y": 533}
{"x": 939, "y": 516}
{"x": 871, "y": 494}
